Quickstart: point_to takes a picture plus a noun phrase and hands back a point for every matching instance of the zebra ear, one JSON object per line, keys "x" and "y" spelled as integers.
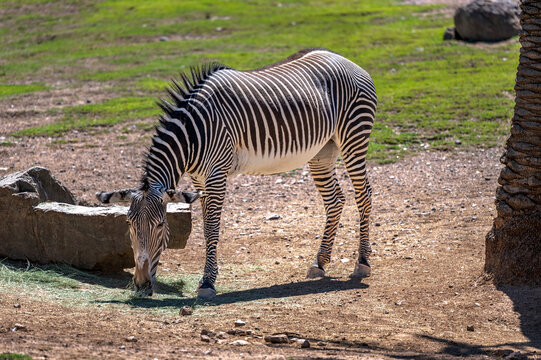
{"x": 183, "y": 196}
{"x": 115, "y": 196}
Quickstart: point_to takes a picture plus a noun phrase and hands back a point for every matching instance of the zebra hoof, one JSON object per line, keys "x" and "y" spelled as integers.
{"x": 315, "y": 272}
{"x": 206, "y": 294}
{"x": 361, "y": 271}
{"x": 205, "y": 290}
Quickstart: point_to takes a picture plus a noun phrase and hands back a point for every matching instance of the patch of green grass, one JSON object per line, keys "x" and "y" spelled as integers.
{"x": 7, "y": 143}
{"x": 11, "y": 356}
{"x": 72, "y": 287}
{"x": 151, "y": 84}
{"x": 10, "y": 89}
{"x": 290, "y": 173}
{"x": 108, "y": 113}
{"x": 430, "y": 91}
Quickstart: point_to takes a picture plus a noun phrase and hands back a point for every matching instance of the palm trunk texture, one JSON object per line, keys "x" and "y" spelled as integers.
{"x": 513, "y": 245}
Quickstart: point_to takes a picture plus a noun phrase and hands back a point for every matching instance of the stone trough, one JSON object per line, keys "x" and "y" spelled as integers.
{"x": 40, "y": 221}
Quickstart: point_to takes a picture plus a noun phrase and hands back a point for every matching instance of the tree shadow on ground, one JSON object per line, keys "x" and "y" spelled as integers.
{"x": 527, "y": 302}
{"x": 461, "y": 349}
{"x": 270, "y": 292}
{"x": 116, "y": 280}
{"x": 450, "y": 348}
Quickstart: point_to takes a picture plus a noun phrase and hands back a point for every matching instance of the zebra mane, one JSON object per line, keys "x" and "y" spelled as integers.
{"x": 180, "y": 91}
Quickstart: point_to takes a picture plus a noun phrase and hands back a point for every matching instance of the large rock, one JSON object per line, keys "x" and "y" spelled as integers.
{"x": 59, "y": 231}
{"x": 487, "y": 20}
{"x": 37, "y": 184}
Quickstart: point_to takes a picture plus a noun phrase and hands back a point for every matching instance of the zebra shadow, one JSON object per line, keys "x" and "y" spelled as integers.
{"x": 307, "y": 287}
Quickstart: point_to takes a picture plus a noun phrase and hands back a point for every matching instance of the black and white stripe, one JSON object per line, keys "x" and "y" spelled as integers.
{"x": 310, "y": 107}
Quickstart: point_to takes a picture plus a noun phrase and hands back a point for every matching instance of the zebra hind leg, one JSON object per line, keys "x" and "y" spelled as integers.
{"x": 323, "y": 168}
{"x": 356, "y": 167}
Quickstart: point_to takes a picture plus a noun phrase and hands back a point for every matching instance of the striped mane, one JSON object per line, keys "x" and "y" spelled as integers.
{"x": 180, "y": 92}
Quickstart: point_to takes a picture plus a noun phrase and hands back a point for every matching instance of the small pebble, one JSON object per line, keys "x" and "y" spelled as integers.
{"x": 209, "y": 333}
{"x": 131, "y": 339}
{"x": 239, "y": 343}
{"x": 277, "y": 339}
{"x": 239, "y": 323}
{"x": 205, "y": 338}
{"x": 186, "y": 310}
{"x": 274, "y": 217}
{"x": 470, "y": 328}
{"x": 305, "y": 344}
{"x": 17, "y": 327}
{"x": 240, "y": 332}
{"x": 516, "y": 355}
{"x": 502, "y": 352}
{"x": 122, "y": 347}
{"x": 17, "y": 306}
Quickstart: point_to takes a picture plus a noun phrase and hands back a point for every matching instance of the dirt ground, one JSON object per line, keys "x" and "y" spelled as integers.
{"x": 427, "y": 297}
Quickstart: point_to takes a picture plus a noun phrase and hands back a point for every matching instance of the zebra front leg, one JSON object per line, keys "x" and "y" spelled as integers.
{"x": 323, "y": 168}
{"x": 212, "y": 209}
{"x": 363, "y": 198}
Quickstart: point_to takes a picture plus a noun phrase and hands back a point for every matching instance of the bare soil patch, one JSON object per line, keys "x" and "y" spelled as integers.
{"x": 427, "y": 296}
{"x": 23, "y": 111}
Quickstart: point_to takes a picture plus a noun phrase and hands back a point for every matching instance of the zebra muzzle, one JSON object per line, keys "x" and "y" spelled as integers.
{"x": 141, "y": 278}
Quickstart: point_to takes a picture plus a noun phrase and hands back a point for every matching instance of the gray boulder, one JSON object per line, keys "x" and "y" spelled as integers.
{"x": 38, "y": 184}
{"x": 60, "y": 231}
{"x": 450, "y": 34}
{"x": 488, "y": 20}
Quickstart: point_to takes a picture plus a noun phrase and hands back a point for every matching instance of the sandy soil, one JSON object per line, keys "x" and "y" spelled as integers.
{"x": 427, "y": 298}
{"x": 431, "y": 214}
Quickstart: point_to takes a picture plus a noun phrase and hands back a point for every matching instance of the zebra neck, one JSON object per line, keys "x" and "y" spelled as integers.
{"x": 167, "y": 158}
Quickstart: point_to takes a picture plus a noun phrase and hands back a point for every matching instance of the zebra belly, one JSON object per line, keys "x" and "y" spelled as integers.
{"x": 246, "y": 162}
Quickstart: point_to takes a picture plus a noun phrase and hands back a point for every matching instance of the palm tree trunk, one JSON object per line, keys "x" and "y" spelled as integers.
{"x": 513, "y": 246}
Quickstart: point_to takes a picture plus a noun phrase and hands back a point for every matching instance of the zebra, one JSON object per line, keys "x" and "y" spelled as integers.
{"x": 220, "y": 122}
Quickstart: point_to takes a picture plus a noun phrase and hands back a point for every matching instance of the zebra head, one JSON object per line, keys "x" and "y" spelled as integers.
{"x": 149, "y": 231}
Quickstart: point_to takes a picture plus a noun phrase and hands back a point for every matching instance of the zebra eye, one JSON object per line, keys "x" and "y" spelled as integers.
{"x": 161, "y": 223}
